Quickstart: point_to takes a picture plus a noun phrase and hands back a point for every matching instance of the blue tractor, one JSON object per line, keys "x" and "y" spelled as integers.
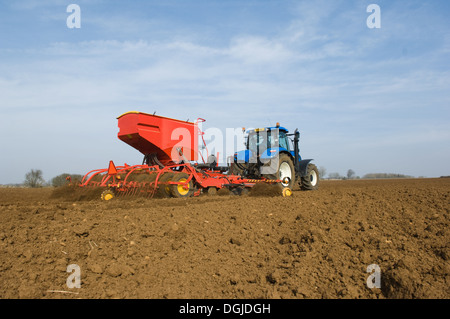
{"x": 272, "y": 153}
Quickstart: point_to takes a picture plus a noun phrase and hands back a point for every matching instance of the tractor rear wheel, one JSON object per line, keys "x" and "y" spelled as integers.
{"x": 310, "y": 181}
{"x": 284, "y": 168}
{"x": 180, "y": 190}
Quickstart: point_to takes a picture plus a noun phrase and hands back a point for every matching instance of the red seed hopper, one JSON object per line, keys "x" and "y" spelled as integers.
{"x": 159, "y": 137}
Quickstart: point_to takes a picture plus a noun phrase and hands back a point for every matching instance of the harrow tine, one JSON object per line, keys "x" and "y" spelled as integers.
{"x": 151, "y": 190}
{"x": 124, "y": 192}
{"x": 140, "y": 190}
{"x": 133, "y": 190}
{"x": 148, "y": 190}
{"x": 137, "y": 190}
{"x": 130, "y": 189}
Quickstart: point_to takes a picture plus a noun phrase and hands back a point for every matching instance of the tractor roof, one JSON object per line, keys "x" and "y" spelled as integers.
{"x": 269, "y": 128}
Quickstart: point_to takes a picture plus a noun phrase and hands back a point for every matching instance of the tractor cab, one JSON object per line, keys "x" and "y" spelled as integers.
{"x": 266, "y": 143}
{"x": 270, "y": 139}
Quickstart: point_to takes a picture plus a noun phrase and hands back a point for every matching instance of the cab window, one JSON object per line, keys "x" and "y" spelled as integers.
{"x": 284, "y": 142}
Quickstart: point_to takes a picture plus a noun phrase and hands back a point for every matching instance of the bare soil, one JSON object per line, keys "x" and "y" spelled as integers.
{"x": 312, "y": 245}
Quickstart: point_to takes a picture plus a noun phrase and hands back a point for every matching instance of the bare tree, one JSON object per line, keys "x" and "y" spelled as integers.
{"x": 34, "y": 178}
{"x": 350, "y": 174}
{"x": 322, "y": 172}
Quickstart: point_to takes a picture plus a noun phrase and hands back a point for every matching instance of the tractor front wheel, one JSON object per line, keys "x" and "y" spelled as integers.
{"x": 310, "y": 181}
{"x": 284, "y": 168}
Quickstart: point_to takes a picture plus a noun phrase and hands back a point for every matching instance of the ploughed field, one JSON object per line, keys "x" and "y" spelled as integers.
{"x": 315, "y": 244}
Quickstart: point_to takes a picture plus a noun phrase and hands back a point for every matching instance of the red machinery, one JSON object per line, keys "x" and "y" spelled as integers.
{"x": 170, "y": 148}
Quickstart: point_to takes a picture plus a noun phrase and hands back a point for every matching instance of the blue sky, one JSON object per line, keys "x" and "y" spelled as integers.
{"x": 371, "y": 100}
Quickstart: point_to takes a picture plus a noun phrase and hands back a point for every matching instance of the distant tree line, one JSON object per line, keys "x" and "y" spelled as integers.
{"x": 35, "y": 179}
{"x": 62, "y": 179}
{"x": 386, "y": 175}
{"x": 352, "y": 175}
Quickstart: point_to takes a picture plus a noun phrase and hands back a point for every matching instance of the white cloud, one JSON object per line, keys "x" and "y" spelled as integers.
{"x": 257, "y": 50}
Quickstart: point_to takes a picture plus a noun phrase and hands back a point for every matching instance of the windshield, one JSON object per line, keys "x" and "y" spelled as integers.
{"x": 258, "y": 142}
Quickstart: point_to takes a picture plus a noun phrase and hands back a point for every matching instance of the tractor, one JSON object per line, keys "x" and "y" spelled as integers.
{"x": 273, "y": 153}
